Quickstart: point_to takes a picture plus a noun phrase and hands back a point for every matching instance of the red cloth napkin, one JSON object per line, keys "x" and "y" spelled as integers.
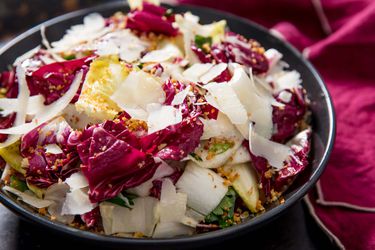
{"x": 338, "y": 37}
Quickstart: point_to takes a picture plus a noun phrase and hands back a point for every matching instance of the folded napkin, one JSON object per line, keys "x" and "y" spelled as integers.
{"x": 338, "y": 37}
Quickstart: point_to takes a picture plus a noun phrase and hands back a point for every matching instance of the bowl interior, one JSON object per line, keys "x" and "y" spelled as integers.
{"x": 321, "y": 107}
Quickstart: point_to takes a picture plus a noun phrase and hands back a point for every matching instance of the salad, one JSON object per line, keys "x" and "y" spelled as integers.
{"x": 150, "y": 124}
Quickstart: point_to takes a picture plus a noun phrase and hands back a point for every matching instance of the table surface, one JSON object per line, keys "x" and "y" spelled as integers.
{"x": 295, "y": 229}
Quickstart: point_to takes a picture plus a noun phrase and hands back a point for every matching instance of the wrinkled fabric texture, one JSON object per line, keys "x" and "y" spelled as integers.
{"x": 338, "y": 38}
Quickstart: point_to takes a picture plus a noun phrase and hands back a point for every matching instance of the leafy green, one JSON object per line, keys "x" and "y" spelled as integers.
{"x": 124, "y": 200}
{"x": 69, "y": 57}
{"x": 202, "y": 40}
{"x": 220, "y": 147}
{"x": 16, "y": 183}
{"x": 224, "y": 212}
{"x": 196, "y": 157}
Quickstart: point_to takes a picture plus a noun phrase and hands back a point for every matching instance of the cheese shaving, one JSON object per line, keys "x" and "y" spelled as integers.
{"x": 47, "y": 113}
{"x": 162, "y": 116}
{"x": 275, "y": 153}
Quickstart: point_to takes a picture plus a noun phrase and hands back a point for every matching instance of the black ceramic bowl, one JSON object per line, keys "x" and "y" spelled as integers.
{"x": 323, "y": 123}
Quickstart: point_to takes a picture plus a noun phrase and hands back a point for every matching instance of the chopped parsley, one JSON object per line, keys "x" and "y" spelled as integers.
{"x": 224, "y": 212}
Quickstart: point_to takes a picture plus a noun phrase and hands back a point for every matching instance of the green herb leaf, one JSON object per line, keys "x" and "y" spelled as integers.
{"x": 196, "y": 157}
{"x": 202, "y": 40}
{"x": 223, "y": 213}
{"x": 16, "y": 183}
{"x": 124, "y": 200}
{"x": 220, "y": 147}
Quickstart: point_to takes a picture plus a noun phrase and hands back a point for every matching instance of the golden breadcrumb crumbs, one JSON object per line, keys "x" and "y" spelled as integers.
{"x": 244, "y": 215}
{"x": 237, "y": 218}
{"x": 268, "y": 174}
{"x": 274, "y": 195}
{"x": 259, "y": 206}
{"x": 42, "y": 211}
{"x": 138, "y": 235}
{"x": 227, "y": 183}
{"x": 206, "y": 47}
{"x": 281, "y": 200}
{"x": 135, "y": 125}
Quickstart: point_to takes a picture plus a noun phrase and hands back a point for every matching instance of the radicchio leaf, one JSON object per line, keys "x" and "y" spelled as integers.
{"x": 46, "y": 168}
{"x": 92, "y": 218}
{"x": 287, "y": 118}
{"x": 155, "y": 191}
{"x": 174, "y": 142}
{"x": 202, "y": 56}
{"x": 9, "y": 83}
{"x": 6, "y": 122}
{"x": 219, "y": 53}
{"x": 154, "y": 9}
{"x": 171, "y": 88}
{"x": 53, "y": 80}
{"x": 115, "y": 158}
{"x": 151, "y": 19}
{"x": 111, "y": 164}
{"x": 225, "y": 76}
{"x": 235, "y": 48}
{"x": 246, "y": 52}
{"x": 300, "y": 146}
{"x": 189, "y": 106}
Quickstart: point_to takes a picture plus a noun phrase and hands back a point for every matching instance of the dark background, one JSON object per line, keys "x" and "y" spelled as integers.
{"x": 295, "y": 229}
{"x": 19, "y": 15}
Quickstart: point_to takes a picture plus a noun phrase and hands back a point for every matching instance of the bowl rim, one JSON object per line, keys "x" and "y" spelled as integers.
{"x": 198, "y": 238}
